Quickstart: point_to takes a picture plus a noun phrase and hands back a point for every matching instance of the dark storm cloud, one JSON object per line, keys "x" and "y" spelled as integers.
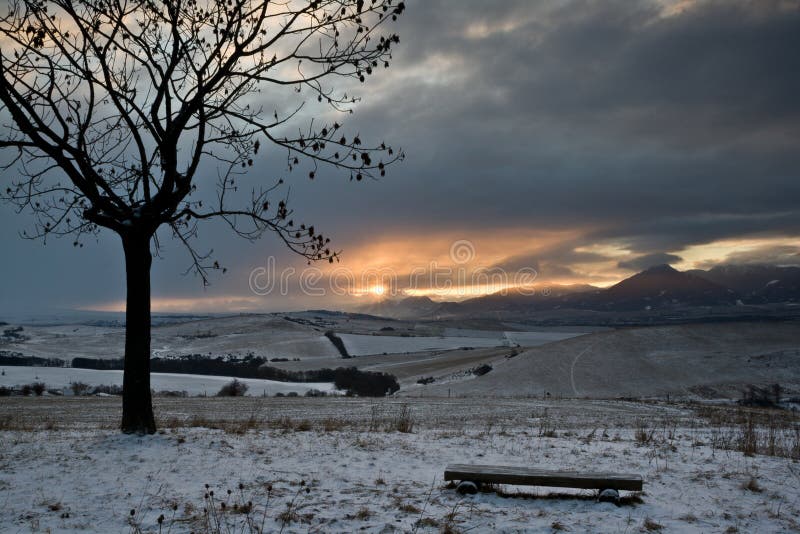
{"x": 621, "y": 120}
{"x": 673, "y": 233}
{"x": 648, "y": 260}
{"x": 661, "y": 131}
{"x": 775, "y": 254}
{"x": 552, "y": 260}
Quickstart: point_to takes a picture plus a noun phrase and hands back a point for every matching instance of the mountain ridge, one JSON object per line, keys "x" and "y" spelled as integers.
{"x": 660, "y": 287}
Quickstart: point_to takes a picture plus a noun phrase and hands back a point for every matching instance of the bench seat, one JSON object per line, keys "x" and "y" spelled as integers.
{"x": 526, "y": 476}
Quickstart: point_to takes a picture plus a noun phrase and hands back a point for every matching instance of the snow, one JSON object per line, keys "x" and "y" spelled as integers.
{"x": 363, "y": 345}
{"x": 61, "y": 377}
{"x": 88, "y": 479}
{"x": 264, "y": 336}
{"x": 534, "y": 339}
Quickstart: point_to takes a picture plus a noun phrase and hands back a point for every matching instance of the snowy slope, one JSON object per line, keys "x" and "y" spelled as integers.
{"x": 60, "y": 378}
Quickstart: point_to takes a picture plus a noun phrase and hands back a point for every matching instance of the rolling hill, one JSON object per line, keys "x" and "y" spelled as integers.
{"x": 685, "y": 361}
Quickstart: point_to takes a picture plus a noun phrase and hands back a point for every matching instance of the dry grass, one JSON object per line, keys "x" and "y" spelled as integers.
{"x": 752, "y": 431}
{"x": 427, "y": 522}
{"x": 641, "y": 434}
{"x": 408, "y": 508}
{"x": 651, "y": 526}
{"x": 752, "y": 485}
{"x": 362, "y": 514}
{"x": 22, "y": 424}
{"x": 404, "y": 421}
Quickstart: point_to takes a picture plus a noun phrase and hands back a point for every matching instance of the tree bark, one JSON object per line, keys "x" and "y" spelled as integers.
{"x": 137, "y": 404}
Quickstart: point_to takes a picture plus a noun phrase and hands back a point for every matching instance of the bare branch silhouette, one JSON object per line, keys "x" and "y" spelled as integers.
{"x": 111, "y": 107}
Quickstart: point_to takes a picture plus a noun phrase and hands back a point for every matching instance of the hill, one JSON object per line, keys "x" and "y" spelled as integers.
{"x": 690, "y": 361}
{"x": 757, "y": 283}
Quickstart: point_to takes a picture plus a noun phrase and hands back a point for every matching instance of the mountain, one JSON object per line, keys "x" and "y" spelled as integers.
{"x": 659, "y": 288}
{"x": 544, "y": 297}
{"x": 664, "y": 287}
{"x": 408, "y": 307}
{"x": 757, "y": 283}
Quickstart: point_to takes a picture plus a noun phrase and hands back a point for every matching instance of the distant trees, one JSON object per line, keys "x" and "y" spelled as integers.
{"x": 348, "y": 379}
{"x": 121, "y": 114}
{"x": 338, "y": 343}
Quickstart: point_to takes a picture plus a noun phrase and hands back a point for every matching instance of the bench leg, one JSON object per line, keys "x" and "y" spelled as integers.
{"x": 608, "y": 495}
{"x": 467, "y": 487}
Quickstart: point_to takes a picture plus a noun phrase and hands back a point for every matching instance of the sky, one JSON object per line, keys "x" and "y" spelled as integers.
{"x": 559, "y": 142}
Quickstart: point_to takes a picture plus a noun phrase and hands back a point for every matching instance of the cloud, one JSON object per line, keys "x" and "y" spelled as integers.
{"x": 644, "y": 127}
{"x": 640, "y": 263}
{"x": 774, "y": 254}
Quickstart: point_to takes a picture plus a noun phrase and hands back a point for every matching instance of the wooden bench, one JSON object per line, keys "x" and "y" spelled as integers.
{"x": 526, "y": 476}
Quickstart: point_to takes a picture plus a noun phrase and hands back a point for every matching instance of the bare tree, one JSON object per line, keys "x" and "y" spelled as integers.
{"x": 112, "y": 107}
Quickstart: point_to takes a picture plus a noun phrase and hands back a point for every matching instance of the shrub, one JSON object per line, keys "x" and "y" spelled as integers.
{"x": 79, "y": 388}
{"x": 234, "y": 388}
{"x": 426, "y": 380}
{"x": 482, "y": 369}
{"x": 35, "y": 388}
{"x": 5, "y": 392}
{"x": 365, "y": 383}
{"x": 404, "y": 422}
{"x": 641, "y": 434}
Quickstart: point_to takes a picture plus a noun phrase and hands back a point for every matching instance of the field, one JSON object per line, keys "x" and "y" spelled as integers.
{"x": 347, "y": 465}
{"x": 194, "y": 385}
{"x": 689, "y": 362}
{"x": 545, "y": 397}
{"x": 291, "y": 335}
{"x": 695, "y": 361}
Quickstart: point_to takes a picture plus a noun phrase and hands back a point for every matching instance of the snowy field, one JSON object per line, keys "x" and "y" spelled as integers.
{"x": 267, "y": 336}
{"x": 60, "y": 378}
{"x": 534, "y": 339}
{"x": 364, "y": 345}
{"x": 341, "y": 465}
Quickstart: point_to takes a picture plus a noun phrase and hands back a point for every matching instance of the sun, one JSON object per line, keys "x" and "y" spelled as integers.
{"x": 377, "y": 290}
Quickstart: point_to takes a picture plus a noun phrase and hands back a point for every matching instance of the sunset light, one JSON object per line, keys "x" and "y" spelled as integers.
{"x": 378, "y": 290}
{"x": 376, "y": 266}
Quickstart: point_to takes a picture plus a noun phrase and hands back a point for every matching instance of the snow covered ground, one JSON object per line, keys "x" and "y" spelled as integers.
{"x": 534, "y": 339}
{"x": 363, "y": 345}
{"x": 340, "y": 465}
{"x": 61, "y": 378}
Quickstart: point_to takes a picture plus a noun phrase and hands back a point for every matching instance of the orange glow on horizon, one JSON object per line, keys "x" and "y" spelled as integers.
{"x": 386, "y": 269}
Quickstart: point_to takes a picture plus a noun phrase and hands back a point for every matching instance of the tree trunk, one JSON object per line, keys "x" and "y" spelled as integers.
{"x": 137, "y": 404}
